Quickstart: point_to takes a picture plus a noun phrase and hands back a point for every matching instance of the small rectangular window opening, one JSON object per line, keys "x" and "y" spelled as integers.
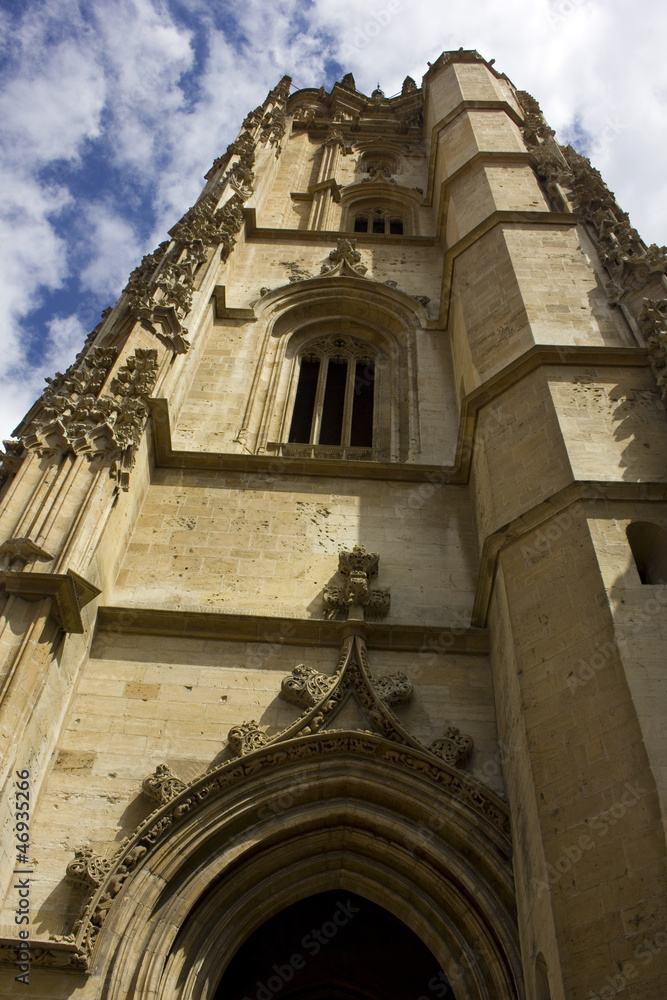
{"x": 378, "y": 225}
{"x": 360, "y": 224}
{"x": 396, "y": 227}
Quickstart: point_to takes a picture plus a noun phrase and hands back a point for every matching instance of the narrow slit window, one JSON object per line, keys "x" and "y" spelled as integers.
{"x": 361, "y": 432}
{"x": 361, "y": 224}
{"x": 334, "y": 402}
{"x": 302, "y": 418}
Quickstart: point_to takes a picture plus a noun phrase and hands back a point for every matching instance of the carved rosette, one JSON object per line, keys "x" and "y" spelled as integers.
{"x": 454, "y": 747}
{"x": 162, "y": 785}
{"x": 87, "y": 868}
{"x": 306, "y": 686}
{"x": 245, "y": 738}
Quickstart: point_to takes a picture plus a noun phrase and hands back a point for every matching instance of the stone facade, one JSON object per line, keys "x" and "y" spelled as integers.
{"x": 413, "y": 652}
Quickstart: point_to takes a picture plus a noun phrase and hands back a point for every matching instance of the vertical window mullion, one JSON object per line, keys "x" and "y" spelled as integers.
{"x": 319, "y": 401}
{"x": 349, "y": 403}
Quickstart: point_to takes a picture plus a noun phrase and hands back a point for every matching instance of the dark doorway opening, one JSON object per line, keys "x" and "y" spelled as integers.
{"x": 334, "y": 946}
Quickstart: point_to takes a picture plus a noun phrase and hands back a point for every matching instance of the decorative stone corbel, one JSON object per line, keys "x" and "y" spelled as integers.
{"x": 69, "y": 591}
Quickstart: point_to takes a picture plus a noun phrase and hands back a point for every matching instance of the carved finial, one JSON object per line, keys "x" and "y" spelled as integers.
{"x": 245, "y": 738}
{"x": 162, "y": 785}
{"x": 394, "y": 689}
{"x": 348, "y": 82}
{"x": 345, "y": 256}
{"x": 453, "y": 746}
{"x": 409, "y": 86}
{"x": 357, "y": 567}
{"x": 378, "y": 93}
{"x": 305, "y": 686}
{"x": 87, "y": 868}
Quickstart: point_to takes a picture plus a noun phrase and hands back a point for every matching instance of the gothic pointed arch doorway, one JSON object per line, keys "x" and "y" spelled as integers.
{"x": 334, "y": 945}
{"x": 331, "y": 812}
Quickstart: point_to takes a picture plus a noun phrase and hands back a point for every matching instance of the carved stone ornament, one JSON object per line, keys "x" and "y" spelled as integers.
{"x": 454, "y": 747}
{"x": 162, "y": 785}
{"x": 344, "y": 260}
{"x": 10, "y": 459}
{"x": 305, "y": 686}
{"x": 394, "y": 689}
{"x": 59, "y": 952}
{"x": 245, "y": 738}
{"x": 308, "y": 745}
{"x": 320, "y": 696}
{"x": 653, "y": 323}
{"x": 72, "y": 415}
{"x": 88, "y": 869}
{"x": 357, "y": 567}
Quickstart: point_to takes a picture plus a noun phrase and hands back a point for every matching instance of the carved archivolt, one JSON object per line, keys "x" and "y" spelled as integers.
{"x": 107, "y": 876}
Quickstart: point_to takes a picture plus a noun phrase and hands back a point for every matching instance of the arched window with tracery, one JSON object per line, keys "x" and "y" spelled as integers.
{"x": 334, "y": 402}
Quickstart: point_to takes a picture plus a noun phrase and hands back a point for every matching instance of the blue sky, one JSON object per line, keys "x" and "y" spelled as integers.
{"x": 111, "y": 111}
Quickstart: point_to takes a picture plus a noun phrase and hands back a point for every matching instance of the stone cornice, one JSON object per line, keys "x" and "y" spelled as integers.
{"x": 588, "y": 491}
{"x": 68, "y": 591}
{"x": 290, "y": 631}
{"x": 458, "y": 474}
{"x": 255, "y": 233}
{"x": 264, "y": 465}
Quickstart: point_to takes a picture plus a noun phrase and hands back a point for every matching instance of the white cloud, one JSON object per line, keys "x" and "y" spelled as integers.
{"x": 116, "y": 79}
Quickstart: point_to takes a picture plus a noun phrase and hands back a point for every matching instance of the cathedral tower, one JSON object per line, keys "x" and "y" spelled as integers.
{"x": 333, "y": 581}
